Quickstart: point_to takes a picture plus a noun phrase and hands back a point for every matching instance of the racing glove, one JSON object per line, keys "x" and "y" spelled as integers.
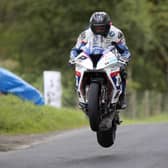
{"x": 123, "y": 61}
{"x": 73, "y": 55}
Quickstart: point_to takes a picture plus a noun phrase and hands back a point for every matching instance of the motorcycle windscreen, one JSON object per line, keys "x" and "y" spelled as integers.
{"x": 108, "y": 59}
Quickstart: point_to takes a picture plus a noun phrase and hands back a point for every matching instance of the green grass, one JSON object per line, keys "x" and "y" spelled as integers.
{"x": 19, "y": 117}
{"x": 161, "y": 118}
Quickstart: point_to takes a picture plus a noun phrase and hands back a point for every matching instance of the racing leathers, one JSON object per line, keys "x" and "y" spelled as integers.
{"x": 115, "y": 37}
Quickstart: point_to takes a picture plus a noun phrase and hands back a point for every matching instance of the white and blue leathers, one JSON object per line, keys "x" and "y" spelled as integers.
{"x": 114, "y": 37}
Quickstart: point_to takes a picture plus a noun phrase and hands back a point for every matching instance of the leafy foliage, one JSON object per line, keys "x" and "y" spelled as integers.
{"x": 39, "y": 35}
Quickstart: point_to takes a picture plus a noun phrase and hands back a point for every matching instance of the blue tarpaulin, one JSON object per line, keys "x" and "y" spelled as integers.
{"x": 12, "y": 84}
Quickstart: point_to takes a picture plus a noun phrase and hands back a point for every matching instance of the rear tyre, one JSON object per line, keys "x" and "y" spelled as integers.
{"x": 107, "y": 138}
{"x": 93, "y": 106}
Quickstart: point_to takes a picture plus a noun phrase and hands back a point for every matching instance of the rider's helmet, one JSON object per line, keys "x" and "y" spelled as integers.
{"x": 100, "y": 23}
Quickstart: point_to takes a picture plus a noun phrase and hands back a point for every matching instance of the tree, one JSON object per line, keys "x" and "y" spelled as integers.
{"x": 40, "y": 34}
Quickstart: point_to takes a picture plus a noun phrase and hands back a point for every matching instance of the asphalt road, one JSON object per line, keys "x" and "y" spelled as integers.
{"x": 136, "y": 146}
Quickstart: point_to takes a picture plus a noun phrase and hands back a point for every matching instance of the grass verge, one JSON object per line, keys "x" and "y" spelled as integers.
{"x": 19, "y": 117}
{"x": 161, "y": 118}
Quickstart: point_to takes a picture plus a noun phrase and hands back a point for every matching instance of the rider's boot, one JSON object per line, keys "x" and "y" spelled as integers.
{"x": 122, "y": 98}
{"x": 123, "y": 104}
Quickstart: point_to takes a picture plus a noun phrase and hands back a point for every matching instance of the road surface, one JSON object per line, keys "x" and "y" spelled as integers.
{"x": 136, "y": 146}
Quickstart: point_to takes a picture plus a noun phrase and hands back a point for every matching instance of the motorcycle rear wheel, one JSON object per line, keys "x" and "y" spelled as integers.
{"x": 107, "y": 138}
{"x": 93, "y": 106}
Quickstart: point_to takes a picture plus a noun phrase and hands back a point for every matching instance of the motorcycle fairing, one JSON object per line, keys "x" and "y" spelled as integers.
{"x": 107, "y": 64}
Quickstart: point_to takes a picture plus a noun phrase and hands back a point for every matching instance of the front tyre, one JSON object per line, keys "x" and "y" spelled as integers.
{"x": 93, "y": 106}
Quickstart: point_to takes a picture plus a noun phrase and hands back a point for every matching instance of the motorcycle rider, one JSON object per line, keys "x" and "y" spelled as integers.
{"x": 101, "y": 24}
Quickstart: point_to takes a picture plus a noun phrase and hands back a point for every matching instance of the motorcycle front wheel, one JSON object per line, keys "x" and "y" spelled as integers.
{"x": 93, "y": 106}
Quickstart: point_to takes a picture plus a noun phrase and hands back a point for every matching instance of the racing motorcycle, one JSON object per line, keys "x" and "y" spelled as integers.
{"x": 99, "y": 86}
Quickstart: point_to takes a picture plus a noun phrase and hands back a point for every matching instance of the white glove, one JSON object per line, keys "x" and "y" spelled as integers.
{"x": 72, "y": 61}
{"x": 123, "y": 60}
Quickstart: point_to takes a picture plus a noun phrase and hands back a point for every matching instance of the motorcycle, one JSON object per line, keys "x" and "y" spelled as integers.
{"x": 99, "y": 86}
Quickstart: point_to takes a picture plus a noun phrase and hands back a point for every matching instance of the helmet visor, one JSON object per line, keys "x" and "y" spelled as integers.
{"x": 99, "y": 29}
